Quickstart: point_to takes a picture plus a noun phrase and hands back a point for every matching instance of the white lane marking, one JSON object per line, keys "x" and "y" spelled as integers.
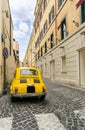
{"x": 48, "y": 122}
{"x": 80, "y": 113}
{"x": 6, "y": 123}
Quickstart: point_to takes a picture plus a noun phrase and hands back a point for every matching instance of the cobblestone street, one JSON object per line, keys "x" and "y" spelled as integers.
{"x": 64, "y": 106}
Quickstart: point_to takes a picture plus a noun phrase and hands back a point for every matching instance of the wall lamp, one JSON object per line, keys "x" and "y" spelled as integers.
{"x": 61, "y": 47}
{"x": 82, "y": 33}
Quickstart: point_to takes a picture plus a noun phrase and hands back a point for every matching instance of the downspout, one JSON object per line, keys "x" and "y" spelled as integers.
{"x": 55, "y": 23}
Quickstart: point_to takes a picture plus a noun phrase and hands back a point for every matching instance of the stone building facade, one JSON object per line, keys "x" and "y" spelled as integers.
{"x": 60, "y": 40}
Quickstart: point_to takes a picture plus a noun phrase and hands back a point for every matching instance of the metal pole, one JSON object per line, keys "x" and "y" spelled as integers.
{"x": 4, "y": 72}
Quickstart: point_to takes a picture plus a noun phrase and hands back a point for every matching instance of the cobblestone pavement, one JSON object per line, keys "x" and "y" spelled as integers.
{"x": 64, "y": 104}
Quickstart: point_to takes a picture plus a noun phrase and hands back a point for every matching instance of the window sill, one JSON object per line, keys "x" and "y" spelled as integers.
{"x": 64, "y": 72}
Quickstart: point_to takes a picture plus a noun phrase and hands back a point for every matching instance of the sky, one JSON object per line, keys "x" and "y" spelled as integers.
{"x": 22, "y": 12}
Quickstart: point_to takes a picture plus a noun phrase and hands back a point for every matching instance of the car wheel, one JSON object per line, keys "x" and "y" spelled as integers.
{"x": 12, "y": 99}
{"x": 42, "y": 98}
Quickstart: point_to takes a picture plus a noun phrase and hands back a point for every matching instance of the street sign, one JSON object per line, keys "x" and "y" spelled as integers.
{"x": 5, "y": 52}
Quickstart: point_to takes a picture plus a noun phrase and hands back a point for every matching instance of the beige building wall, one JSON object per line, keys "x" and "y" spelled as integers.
{"x": 7, "y": 66}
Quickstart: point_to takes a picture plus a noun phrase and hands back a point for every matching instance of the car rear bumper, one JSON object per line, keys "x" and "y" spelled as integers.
{"x": 28, "y": 95}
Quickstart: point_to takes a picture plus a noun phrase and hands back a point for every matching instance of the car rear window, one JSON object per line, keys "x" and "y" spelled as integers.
{"x": 28, "y": 72}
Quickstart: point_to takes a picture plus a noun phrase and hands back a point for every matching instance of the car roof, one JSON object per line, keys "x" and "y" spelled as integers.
{"x": 33, "y": 68}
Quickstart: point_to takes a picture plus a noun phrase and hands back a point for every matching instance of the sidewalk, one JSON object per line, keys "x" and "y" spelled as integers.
{"x": 82, "y": 88}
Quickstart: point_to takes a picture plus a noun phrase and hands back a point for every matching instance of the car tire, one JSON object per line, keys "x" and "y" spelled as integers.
{"x": 42, "y": 98}
{"x": 12, "y": 99}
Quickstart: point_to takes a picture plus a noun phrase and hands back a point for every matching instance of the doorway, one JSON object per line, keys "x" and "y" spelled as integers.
{"x": 82, "y": 67}
{"x": 52, "y": 70}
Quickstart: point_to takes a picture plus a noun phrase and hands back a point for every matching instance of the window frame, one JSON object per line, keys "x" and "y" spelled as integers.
{"x": 82, "y": 12}
{"x": 52, "y": 40}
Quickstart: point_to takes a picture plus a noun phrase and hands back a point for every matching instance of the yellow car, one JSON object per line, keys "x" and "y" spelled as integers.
{"x": 27, "y": 83}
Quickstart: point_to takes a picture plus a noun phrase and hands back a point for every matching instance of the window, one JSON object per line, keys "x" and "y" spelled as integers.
{"x": 83, "y": 12}
{"x": 63, "y": 29}
{"x": 41, "y": 51}
{"x": 45, "y": 47}
{"x": 44, "y": 4}
{"x": 51, "y": 15}
{"x": 60, "y": 3}
{"x": 51, "y": 41}
{"x": 64, "y": 64}
{"x": 45, "y": 27}
{"x": 40, "y": 15}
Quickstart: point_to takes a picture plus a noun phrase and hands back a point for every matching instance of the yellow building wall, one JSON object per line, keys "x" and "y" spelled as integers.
{"x": 68, "y": 10}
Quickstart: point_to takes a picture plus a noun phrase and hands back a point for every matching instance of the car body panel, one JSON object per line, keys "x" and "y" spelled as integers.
{"x": 27, "y": 82}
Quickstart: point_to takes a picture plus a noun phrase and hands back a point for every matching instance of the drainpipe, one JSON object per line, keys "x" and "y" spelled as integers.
{"x": 10, "y": 32}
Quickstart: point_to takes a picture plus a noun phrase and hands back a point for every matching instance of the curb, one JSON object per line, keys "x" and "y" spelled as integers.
{"x": 67, "y": 85}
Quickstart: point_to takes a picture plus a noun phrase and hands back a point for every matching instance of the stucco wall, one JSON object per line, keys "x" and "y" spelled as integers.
{"x": 72, "y": 45}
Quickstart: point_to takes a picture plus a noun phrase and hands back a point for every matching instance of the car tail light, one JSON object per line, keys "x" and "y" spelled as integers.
{"x": 23, "y": 81}
{"x": 36, "y": 81}
{"x": 16, "y": 90}
{"x": 44, "y": 89}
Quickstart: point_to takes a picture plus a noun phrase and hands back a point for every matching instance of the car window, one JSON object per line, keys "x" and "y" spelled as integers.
{"x": 28, "y": 72}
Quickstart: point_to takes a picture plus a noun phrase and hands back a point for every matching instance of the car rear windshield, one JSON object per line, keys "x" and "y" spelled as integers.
{"x": 28, "y": 72}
